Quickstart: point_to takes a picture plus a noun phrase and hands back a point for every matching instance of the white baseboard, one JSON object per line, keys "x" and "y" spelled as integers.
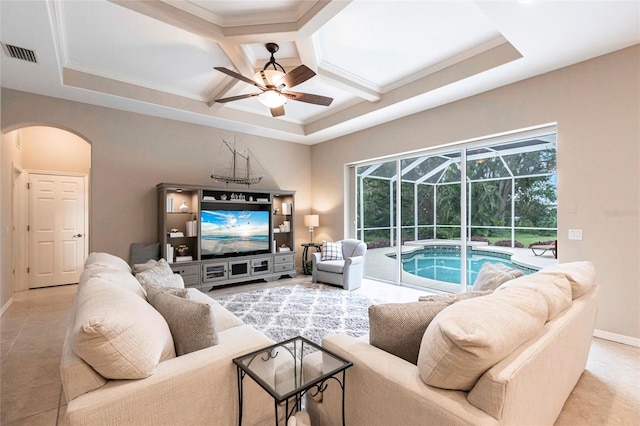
{"x": 618, "y": 338}
{"x": 6, "y": 306}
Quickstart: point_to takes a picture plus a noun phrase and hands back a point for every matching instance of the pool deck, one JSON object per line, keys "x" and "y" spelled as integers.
{"x": 378, "y": 265}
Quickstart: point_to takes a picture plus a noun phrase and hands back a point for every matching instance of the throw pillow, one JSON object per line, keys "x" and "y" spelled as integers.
{"x": 471, "y": 336}
{"x": 140, "y": 253}
{"x": 160, "y": 274}
{"x": 141, "y": 267}
{"x": 118, "y": 333}
{"x": 491, "y": 276}
{"x": 152, "y": 288}
{"x": 191, "y": 323}
{"x": 398, "y": 328}
{"x": 331, "y": 251}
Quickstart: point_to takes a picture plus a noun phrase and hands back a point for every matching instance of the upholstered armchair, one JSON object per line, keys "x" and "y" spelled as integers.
{"x": 345, "y": 270}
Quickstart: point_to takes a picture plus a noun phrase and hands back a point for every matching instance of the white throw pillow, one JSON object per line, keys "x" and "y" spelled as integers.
{"x": 117, "y": 333}
{"x": 160, "y": 274}
{"x": 331, "y": 251}
{"x": 491, "y": 276}
{"x": 469, "y": 337}
{"x": 141, "y": 267}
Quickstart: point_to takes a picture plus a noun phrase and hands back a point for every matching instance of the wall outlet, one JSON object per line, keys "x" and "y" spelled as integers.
{"x": 575, "y": 234}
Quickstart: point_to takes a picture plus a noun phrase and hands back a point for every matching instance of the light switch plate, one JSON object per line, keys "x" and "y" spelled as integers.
{"x": 575, "y": 234}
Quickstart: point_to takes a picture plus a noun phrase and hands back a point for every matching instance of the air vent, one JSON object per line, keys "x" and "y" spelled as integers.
{"x": 20, "y": 53}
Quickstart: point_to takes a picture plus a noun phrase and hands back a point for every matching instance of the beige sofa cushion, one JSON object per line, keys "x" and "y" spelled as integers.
{"x": 120, "y": 279}
{"x": 118, "y": 333}
{"x": 581, "y": 275}
{"x": 469, "y": 337}
{"x": 491, "y": 276}
{"x": 398, "y": 327}
{"x": 555, "y": 288}
{"x": 106, "y": 260}
{"x": 77, "y": 376}
{"x": 453, "y": 297}
{"x": 192, "y": 323}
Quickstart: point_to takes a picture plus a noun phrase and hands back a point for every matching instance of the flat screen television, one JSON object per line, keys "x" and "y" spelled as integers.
{"x": 233, "y": 231}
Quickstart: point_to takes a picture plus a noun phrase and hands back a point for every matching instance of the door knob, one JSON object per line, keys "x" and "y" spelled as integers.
{"x": 77, "y": 236}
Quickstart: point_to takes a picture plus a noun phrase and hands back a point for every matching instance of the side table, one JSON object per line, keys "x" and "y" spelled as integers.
{"x": 283, "y": 370}
{"x": 305, "y": 254}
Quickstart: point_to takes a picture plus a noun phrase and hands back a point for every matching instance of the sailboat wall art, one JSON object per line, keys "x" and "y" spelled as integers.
{"x": 237, "y": 174}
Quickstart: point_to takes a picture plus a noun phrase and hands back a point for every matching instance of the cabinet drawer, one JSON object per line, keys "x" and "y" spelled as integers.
{"x": 283, "y": 258}
{"x": 191, "y": 279}
{"x": 283, "y": 267}
{"x": 186, "y": 269}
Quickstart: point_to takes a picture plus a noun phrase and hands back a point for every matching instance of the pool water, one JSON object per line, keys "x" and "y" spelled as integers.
{"x": 445, "y": 265}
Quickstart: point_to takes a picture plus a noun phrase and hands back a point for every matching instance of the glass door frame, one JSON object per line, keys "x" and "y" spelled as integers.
{"x": 353, "y": 202}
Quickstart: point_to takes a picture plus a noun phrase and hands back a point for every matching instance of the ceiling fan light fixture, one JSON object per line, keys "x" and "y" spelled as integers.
{"x": 275, "y": 85}
{"x": 272, "y": 98}
{"x": 274, "y": 77}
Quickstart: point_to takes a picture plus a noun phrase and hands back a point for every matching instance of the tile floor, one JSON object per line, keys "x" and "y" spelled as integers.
{"x": 32, "y": 332}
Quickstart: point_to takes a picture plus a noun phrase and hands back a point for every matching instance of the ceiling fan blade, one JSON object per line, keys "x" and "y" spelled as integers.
{"x": 309, "y": 98}
{"x": 239, "y": 76}
{"x": 296, "y": 76}
{"x": 277, "y": 111}
{"x": 236, "y": 98}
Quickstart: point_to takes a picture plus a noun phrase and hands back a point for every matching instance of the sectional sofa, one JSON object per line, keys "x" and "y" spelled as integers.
{"x": 508, "y": 358}
{"x": 122, "y": 363}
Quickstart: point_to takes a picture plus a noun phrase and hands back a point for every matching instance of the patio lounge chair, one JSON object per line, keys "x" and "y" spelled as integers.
{"x": 540, "y": 249}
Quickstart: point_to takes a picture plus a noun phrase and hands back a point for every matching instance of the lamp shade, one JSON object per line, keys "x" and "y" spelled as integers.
{"x": 311, "y": 220}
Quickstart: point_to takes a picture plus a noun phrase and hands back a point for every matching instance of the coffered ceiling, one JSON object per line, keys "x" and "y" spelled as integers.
{"x": 379, "y": 60}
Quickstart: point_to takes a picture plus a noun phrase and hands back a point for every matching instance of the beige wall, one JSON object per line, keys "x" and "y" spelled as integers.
{"x": 9, "y": 155}
{"x": 596, "y": 105}
{"x": 132, "y": 153}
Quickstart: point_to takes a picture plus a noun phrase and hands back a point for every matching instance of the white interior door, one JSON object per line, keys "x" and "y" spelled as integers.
{"x": 57, "y": 229}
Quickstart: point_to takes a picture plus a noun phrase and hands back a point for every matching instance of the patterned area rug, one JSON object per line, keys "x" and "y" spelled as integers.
{"x": 309, "y": 310}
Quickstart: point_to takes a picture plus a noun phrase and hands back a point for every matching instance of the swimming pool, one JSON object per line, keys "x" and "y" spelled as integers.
{"x": 442, "y": 263}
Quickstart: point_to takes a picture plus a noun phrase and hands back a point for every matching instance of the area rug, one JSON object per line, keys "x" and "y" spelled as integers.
{"x": 309, "y": 310}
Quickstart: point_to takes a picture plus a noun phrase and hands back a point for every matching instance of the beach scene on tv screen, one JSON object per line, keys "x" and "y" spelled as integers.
{"x": 232, "y": 231}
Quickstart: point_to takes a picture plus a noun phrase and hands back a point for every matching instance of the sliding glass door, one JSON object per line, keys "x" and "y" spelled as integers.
{"x": 425, "y": 229}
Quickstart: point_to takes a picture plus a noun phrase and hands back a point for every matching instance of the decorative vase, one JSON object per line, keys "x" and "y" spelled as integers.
{"x": 184, "y": 208}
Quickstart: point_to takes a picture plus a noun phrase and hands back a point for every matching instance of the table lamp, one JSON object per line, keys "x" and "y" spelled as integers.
{"x": 311, "y": 220}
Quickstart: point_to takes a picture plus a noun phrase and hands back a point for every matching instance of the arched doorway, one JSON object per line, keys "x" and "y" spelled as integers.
{"x": 50, "y": 224}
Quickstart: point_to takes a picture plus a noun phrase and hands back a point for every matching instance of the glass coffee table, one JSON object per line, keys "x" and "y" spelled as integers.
{"x": 290, "y": 370}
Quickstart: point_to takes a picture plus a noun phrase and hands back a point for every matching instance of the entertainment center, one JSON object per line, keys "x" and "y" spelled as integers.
{"x": 219, "y": 236}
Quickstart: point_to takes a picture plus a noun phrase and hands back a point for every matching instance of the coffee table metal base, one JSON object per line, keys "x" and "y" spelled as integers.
{"x": 295, "y": 348}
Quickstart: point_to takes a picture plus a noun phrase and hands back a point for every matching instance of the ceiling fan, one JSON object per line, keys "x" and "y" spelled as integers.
{"x": 275, "y": 84}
